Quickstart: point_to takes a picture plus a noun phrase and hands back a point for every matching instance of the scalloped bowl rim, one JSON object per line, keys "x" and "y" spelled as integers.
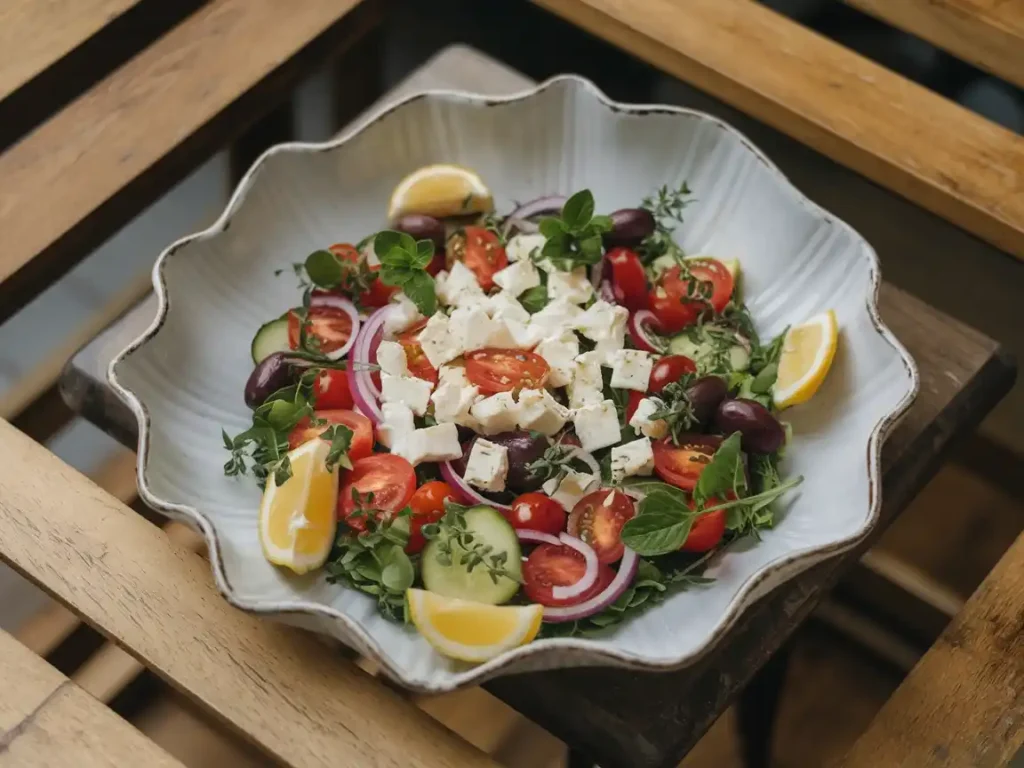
{"x": 789, "y": 564}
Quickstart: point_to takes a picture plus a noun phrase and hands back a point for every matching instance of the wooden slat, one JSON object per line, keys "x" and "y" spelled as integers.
{"x": 963, "y": 704}
{"x": 285, "y": 690}
{"x": 46, "y": 720}
{"x": 76, "y": 179}
{"x": 986, "y": 33}
{"x": 930, "y": 150}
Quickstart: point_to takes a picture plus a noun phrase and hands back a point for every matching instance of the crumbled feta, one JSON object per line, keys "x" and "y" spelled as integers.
{"x": 505, "y": 306}
{"x": 560, "y": 353}
{"x": 453, "y": 373}
{"x": 574, "y": 287}
{"x": 522, "y": 335}
{"x": 391, "y": 358}
{"x": 395, "y": 425}
{"x": 440, "y": 442}
{"x": 635, "y": 458}
{"x": 439, "y": 344}
{"x": 518, "y": 277}
{"x": 497, "y": 413}
{"x": 407, "y": 390}
{"x": 458, "y": 287}
{"x": 520, "y": 247}
{"x": 641, "y": 421}
{"x": 586, "y": 387}
{"x": 402, "y": 315}
{"x": 453, "y": 399}
{"x": 573, "y": 487}
{"x": 539, "y": 411}
{"x": 597, "y": 426}
{"x": 487, "y": 467}
{"x": 473, "y": 328}
{"x": 601, "y": 319}
{"x": 556, "y": 318}
{"x": 502, "y": 336}
{"x": 631, "y": 369}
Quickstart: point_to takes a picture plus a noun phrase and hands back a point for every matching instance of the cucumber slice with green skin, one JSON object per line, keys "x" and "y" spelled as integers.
{"x": 488, "y": 527}
{"x": 270, "y": 338}
{"x": 704, "y": 355}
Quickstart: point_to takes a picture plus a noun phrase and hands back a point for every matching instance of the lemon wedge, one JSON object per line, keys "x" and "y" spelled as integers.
{"x": 461, "y": 629}
{"x": 440, "y": 190}
{"x": 299, "y": 517}
{"x": 807, "y": 354}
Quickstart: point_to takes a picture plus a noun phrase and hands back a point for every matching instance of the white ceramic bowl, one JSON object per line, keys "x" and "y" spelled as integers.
{"x": 183, "y": 378}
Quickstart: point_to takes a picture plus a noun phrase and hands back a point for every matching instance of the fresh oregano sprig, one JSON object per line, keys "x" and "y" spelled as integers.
{"x": 573, "y": 239}
{"x": 667, "y": 207}
{"x": 677, "y": 411}
{"x": 404, "y": 263}
{"x": 457, "y": 544}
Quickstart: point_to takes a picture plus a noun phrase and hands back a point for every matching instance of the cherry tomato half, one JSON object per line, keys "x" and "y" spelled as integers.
{"x": 332, "y": 327}
{"x": 681, "y": 465}
{"x": 598, "y": 518}
{"x": 503, "y": 370}
{"x": 707, "y": 530}
{"x": 668, "y": 369}
{"x": 629, "y": 281}
{"x": 537, "y": 512}
{"x": 362, "y": 431}
{"x": 378, "y": 294}
{"x": 391, "y": 479}
{"x": 332, "y": 390}
{"x": 481, "y": 250}
{"x": 669, "y": 300}
{"x": 419, "y": 365}
{"x": 549, "y": 566}
{"x": 427, "y": 507}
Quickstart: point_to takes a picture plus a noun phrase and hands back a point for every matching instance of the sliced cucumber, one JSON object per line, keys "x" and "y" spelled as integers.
{"x": 270, "y": 338}
{"x": 488, "y": 527}
{"x": 706, "y": 354}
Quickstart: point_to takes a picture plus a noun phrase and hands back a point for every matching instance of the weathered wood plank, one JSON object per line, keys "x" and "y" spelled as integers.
{"x": 46, "y": 720}
{"x": 286, "y": 691}
{"x": 963, "y": 704}
{"x": 901, "y": 135}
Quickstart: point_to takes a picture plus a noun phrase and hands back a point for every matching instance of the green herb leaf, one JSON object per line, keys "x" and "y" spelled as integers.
{"x": 419, "y": 287}
{"x": 574, "y": 239}
{"x": 578, "y": 210}
{"x": 324, "y": 269}
{"x": 657, "y": 532}
{"x": 534, "y": 299}
{"x": 724, "y": 473}
{"x": 385, "y": 241}
{"x": 551, "y": 227}
{"x": 398, "y": 573}
{"x": 403, "y": 264}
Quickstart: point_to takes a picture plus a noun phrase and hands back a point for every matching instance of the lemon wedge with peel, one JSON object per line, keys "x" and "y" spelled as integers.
{"x": 440, "y": 190}
{"x": 298, "y": 518}
{"x": 807, "y": 353}
{"x": 461, "y": 629}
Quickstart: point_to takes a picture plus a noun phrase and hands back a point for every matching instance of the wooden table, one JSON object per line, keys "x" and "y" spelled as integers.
{"x": 197, "y": 83}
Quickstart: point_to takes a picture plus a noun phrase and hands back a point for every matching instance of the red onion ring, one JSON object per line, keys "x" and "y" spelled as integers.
{"x": 638, "y": 333}
{"x": 365, "y": 394}
{"x": 586, "y": 458}
{"x": 589, "y": 576}
{"x": 519, "y": 217}
{"x": 537, "y": 537}
{"x": 465, "y": 493}
{"x": 600, "y": 601}
{"x": 334, "y": 301}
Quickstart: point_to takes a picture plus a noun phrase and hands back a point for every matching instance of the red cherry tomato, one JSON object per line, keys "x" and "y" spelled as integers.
{"x": 598, "y": 518}
{"x": 503, "y": 370}
{"x": 669, "y": 300}
{"x": 681, "y": 465}
{"x": 331, "y": 326}
{"x": 707, "y": 530}
{"x": 633, "y": 403}
{"x": 332, "y": 390}
{"x": 481, "y": 250}
{"x": 362, "y": 431}
{"x": 391, "y": 479}
{"x": 549, "y": 566}
{"x": 378, "y": 294}
{"x": 629, "y": 281}
{"x": 419, "y": 365}
{"x": 668, "y": 369}
{"x": 427, "y": 507}
{"x": 537, "y": 512}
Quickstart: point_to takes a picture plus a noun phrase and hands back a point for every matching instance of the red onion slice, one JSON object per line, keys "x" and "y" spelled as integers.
{"x": 638, "y": 332}
{"x": 519, "y": 218}
{"x": 360, "y": 382}
{"x": 596, "y": 604}
{"x": 537, "y": 537}
{"x": 334, "y": 301}
{"x": 596, "y": 274}
{"x": 466, "y": 493}
{"x": 586, "y": 458}
{"x": 589, "y": 576}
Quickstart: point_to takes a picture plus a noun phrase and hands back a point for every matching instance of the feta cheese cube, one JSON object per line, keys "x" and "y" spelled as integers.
{"x": 438, "y": 343}
{"x": 440, "y": 442}
{"x": 396, "y": 424}
{"x": 642, "y": 423}
{"x": 556, "y": 318}
{"x": 391, "y": 358}
{"x": 403, "y": 315}
{"x": 522, "y": 335}
{"x": 473, "y": 328}
{"x": 453, "y": 399}
{"x": 560, "y": 352}
{"x": 505, "y": 306}
{"x": 497, "y": 413}
{"x": 407, "y": 390}
{"x": 518, "y": 277}
{"x": 457, "y": 287}
{"x": 601, "y": 320}
{"x": 453, "y": 373}
{"x": 586, "y": 387}
{"x": 597, "y": 426}
{"x": 520, "y": 247}
{"x": 539, "y": 411}
{"x": 574, "y": 287}
{"x": 631, "y": 369}
{"x": 573, "y": 487}
{"x": 487, "y": 467}
{"x": 635, "y": 458}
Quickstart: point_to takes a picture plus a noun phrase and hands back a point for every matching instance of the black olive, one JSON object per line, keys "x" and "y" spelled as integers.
{"x": 760, "y": 431}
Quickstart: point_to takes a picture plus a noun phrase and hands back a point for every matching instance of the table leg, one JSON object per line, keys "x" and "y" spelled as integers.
{"x": 758, "y": 707}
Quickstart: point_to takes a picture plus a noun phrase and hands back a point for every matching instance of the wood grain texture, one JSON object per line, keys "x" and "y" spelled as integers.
{"x": 646, "y": 720}
{"x": 76, "y": 179}
{"x": 963, "y": 704}
{"x": 930, "y": 150}
{"x": 46, "y": 720}
{"x": 286, "y": 691}
{"x": 986, "y": 33}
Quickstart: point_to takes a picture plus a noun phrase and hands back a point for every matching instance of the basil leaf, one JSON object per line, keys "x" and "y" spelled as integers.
{"x": 398, "y": 574}
{"x": 590, "y": 248}
{"x": 551, "y": 227}
{"x": 722, "y": 473}
{"x": 578, "y": 210}
{"x": 385, "y": 241}
{"x": 407, "y": 242}
{"x": 419, "y": 287}
{"x": 534, "y": 299}
{"x": 601, "y": 223}
{"x": 396, "y": 258}
{"x": 324, "y": 269}
{"x": 424, "y": 253}
{"x": 649, "y": 487}
{"x": 657, "y": 532}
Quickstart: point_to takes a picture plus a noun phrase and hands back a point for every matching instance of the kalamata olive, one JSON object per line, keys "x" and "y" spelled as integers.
{"x": 760, "y": 431}
{"x": 274, "y": 372}
{"x": 630, "y": 226}
{"x": 422, "y": 228}
{"x": 523, "y": 448}
{"x": 705, "y": 394}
